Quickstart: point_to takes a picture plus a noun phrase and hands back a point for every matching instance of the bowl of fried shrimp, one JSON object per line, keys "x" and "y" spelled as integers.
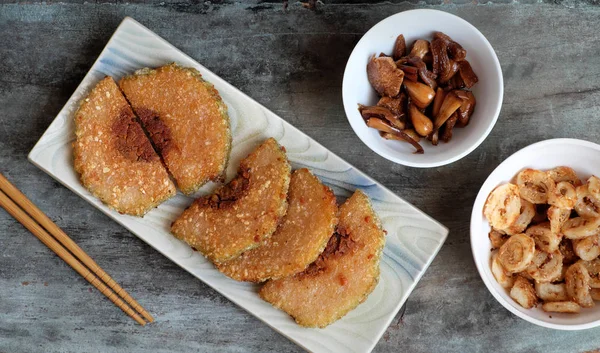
{"x": 535, "y": 234}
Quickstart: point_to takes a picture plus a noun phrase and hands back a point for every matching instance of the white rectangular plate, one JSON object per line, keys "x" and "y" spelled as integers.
{"x": 413, "y": 238}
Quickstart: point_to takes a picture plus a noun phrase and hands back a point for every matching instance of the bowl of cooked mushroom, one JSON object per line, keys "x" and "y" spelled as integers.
{"x": 535, "y": 234}
{"x": 423, "y": 88}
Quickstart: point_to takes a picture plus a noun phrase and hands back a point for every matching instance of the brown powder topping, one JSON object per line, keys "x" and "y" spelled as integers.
{"x": 230, "y": 193}
{"x": 339, "y": 244}
{"x": 130, "y": 139}
{"x": 158, "y": 131}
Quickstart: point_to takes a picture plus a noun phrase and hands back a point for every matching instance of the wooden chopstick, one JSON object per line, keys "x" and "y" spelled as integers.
{"x": 12, "y": 208}
{"x": 68, "y": 243}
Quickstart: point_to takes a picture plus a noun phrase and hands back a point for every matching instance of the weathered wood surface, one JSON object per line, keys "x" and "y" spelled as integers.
{"x": 291, "y": 61}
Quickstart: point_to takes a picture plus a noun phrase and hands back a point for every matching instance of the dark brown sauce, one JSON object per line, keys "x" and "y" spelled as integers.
{"x": 130, "y": 139}
{"x": 338, "y": 245}
{"x": 157, "y": 130}
{"x": 230, "y": 193}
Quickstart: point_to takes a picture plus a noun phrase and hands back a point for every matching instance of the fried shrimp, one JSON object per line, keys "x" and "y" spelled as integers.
{"x": 523, "y": 293}
{"x": 587, "y": 204}
{"x": 559, "y": 251}
{"x": 566, "y": 249}
{"x": 567, "y": 307}
{"x": 563, "y": 195}
{"x": 546, "y": 267}
{"x": 503, "y": 206}
{"x": 504, "y": 278}
{"x": 497, "y": 238}
{"x": 544, "y": 238}
{"x": 551, "y": 292}
{"x": 577, "y": 280}
{"x": 527, "y": 213}
{"x": 535, "y": 185}
{"x": 587, "y": 248}
{"x": 557, "y": 217}
{"x": 579, "y": 227}
{"x": 593, "y": 268}
{"x": 517, "y": 253}
{"x": 563, "y": 173}
{"x": 594, "y": 187}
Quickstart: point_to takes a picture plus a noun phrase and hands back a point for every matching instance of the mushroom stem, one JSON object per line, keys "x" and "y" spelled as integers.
{"x": 368, "y": 112}
{"x": 420, "y": 94}
{"x": 450, "y": 105}
{"x": 410, "y": 132}
{"x": 420, "y": 48}
{"x": 422, "y": 124}
{"x": 440, "y": 94}
{"x": 381, "y": 125}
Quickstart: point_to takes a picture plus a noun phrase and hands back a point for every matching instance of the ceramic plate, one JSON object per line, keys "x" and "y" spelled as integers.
{"x": 413, "y": 238}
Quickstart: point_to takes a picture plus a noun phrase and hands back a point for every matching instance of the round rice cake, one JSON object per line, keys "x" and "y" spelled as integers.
{"x": 242, "y": 214}
{"x": 186, "y": 120}
{"x": 342, "y": 277}
{"x": 300, "y": 238}
{"x": 113, "y": 156}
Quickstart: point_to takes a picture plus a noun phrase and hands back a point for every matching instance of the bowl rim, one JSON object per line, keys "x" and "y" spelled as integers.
{"x": 482, "y": 137}
{"x": 475, "y": 213}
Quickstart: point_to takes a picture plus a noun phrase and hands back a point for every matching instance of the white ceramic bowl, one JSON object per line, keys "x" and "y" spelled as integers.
{"x": 584, "y": 158}
{"x": 420, "y": 24}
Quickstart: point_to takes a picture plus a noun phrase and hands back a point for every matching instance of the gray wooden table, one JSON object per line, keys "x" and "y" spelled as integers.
{"x": 292, "y": 62}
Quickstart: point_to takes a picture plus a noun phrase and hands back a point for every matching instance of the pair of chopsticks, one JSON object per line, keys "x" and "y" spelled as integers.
{"x": 24, "y": 211}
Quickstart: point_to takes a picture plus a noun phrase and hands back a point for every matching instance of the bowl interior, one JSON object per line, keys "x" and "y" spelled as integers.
{"x": 420, "y": 24}
{"x": 584, "y": 158}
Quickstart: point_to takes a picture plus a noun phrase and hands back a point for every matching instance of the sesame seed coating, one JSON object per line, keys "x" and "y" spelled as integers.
{"x": 342, "y": 277}
{"x": 114, "y": 158}
{"x": 300, "y": 238}
{"x": 239, "y": 217}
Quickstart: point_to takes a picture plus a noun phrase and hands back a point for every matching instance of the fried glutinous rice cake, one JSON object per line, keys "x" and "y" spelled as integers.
{"x": 300, "y": 238}
{"x": 242, "y": 214}
{"x": 342, "y": 277}
{"x": 114, "y": 157}
{"x": 186, "y": 120}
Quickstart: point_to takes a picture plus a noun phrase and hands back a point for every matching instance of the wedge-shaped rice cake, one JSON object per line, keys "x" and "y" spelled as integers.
{"x": 342, "y": 277}
{"x": 186, "y": 120}
{"x": 114, "y": 157}
{"x": 242, "y": 214}
{"x": 300, "y": 238}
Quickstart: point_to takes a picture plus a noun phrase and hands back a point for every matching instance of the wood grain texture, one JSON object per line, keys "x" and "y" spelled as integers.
{"x": 292, "y": 62}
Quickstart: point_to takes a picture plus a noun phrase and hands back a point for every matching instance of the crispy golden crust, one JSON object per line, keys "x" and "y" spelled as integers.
{"x": 186, "y": 120}
{"x": 114, "y": 158}
{"x": 342, "y": 277}
{"x": 300, "y": 238}
{"x": 242, "y": 214}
